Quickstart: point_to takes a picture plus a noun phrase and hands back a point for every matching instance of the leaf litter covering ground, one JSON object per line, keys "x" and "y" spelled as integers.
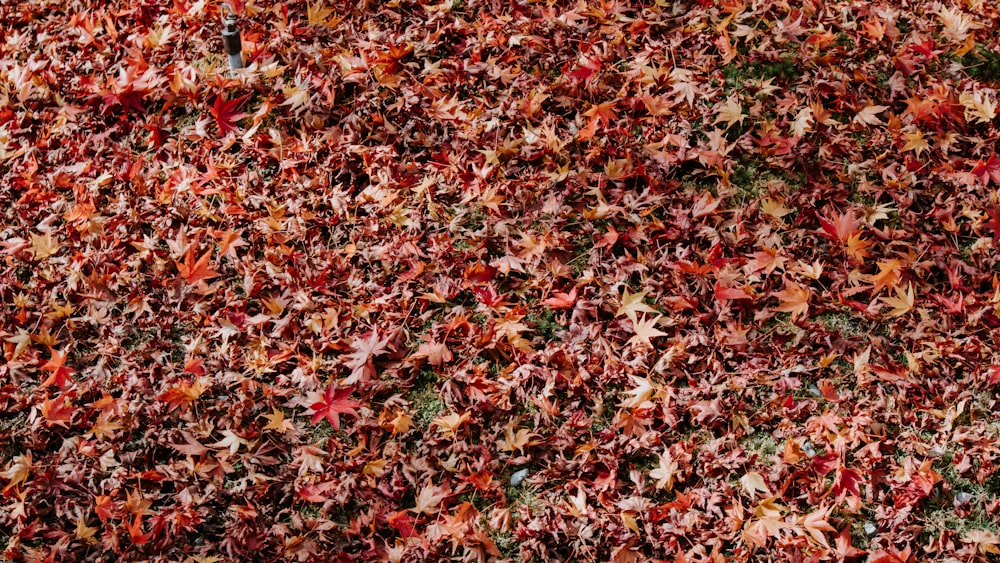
{"x": 511, "y": 280}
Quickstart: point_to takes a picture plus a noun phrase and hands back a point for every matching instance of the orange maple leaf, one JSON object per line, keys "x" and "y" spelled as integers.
{"x": 57, "y": 411}
{"x": 183, "y": 395}
{"x": 794, "y": 300}
{"x": 561, "y": 300}
{"x": 135, "y": 532}
{"x": 888, "y": 275}
{"x": 60, "y": 373}
{"x": 194, "y": 271}
{"x": 857, "y": 247}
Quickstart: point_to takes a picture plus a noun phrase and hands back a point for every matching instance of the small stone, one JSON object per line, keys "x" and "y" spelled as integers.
{"x": 518, "y": 477}
{"x": 808, "y": 449}
{"x": 870, "y": 528}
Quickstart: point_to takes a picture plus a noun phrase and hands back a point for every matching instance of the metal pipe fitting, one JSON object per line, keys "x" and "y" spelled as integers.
{"x": 231, "y": 39}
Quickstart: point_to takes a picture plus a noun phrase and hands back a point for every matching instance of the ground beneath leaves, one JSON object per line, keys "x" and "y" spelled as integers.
{"x": 519, "y": 281}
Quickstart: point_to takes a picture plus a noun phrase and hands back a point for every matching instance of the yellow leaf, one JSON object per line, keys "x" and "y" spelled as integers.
{"x": 915, "y": 142}
{"x": 84, "y": 532}
{"x": 319, "y": 14}
{"x": 902, "y": 303}
{"x": 401, "y": 424}
{"x": 43, "y": 245}
{"x": 730, "y": 112}
{"x": 774, "y": 208}
{"x": 18, "y": 471}
{"x": 450, "y": 424}
{"x": 277, "y": 422}
{"x": 104, "y": 427}
{"x": 516, "y": 441}
{"x": 632, "y": 303}
{"x": 375, "y": 468}
{"x": 630, "y": 522}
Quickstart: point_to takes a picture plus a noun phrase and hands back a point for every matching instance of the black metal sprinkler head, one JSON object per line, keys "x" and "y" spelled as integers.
{"x": 231, "y": 38}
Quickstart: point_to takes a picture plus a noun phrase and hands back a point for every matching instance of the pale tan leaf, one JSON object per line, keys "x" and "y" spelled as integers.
{"x": 774, "y": 208}
{"x": 665, "y": 473}
{"x": 645, "y": 330}
{"x": 979, "y": 106}
{"x": 869, "y": 115}
{"x": 730, "y": 112}
{"x": 815, "y": 524}
{"x": 641, "y": 393}
{"x": 753, "y": 482}
{"x": 429, "y": 499}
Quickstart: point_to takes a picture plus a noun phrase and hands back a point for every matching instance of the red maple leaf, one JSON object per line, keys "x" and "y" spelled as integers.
{"x": 226, "y": 113}
{"x": 403, "y": 523}
{"x": 841, "y": 226}
{"x": 848, "y": 483}
{"x": 988, "y": 170}
{"x": 196, "y": 270}
{"x": 333, "y": 404}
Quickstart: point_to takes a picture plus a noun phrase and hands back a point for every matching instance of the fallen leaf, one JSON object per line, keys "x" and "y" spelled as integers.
{"x": 645, "y": 330}
{"x": 334, "y": 403}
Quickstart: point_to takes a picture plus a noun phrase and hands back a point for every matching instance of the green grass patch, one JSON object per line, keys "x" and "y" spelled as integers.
{"x": 842, "y": 323}
{"x": 545, "y": 323}
{"x": 426, "y": 399}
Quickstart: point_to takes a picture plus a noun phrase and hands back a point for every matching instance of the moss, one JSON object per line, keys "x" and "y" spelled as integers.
{"x": 426, "y": 399}
{"x": 844, "y": 40}
{"x": 981, "y": 64}
{"x": 859, "y": 537}
{"x": 545, "y": 324}
{"x": 603, "y": 417}
{"x": 760, "y": 443}
{"x": 507, "y": 544}
{"x": 522, "y": 495}
{"x": 841, "y": 323}
{"x": 784, "y": 69}
{"x": 321, "y": 433}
